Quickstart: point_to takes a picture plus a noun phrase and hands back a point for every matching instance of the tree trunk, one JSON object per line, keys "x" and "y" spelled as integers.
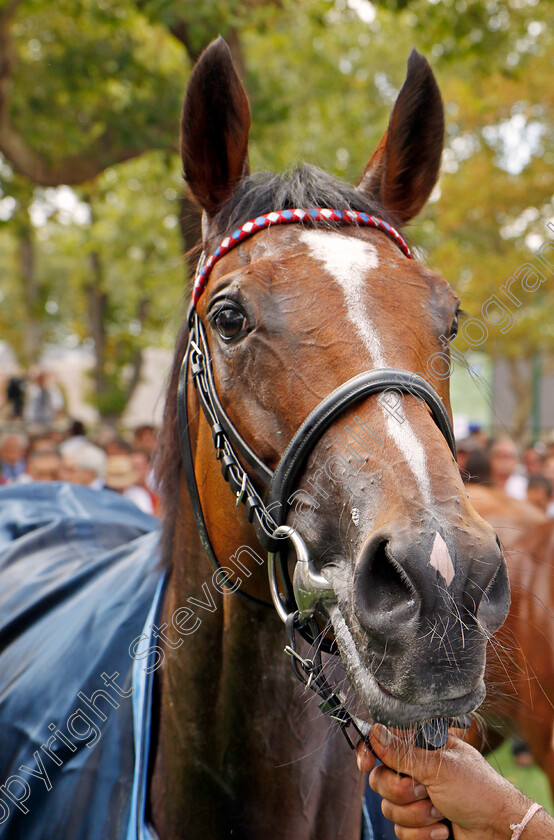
{"x": 138, "y": 359}
{"x": 521, "y": 387}
{"x": 32, "y": 338}
{"x": 97, "y": 306}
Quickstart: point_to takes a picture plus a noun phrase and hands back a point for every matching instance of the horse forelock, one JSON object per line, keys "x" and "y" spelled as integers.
{"x": 304, "y": 186}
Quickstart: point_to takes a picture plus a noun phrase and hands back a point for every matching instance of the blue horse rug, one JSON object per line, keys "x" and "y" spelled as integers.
{"x": 80, "y": 588}
{"x": 79, "y": 579}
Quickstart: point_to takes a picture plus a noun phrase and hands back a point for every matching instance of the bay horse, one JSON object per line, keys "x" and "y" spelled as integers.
{"x": 520, "y": 663}
{"x": 309, "y": 324}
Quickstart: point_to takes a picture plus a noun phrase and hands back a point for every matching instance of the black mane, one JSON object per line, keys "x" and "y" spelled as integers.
{"x": 304, "y": 186}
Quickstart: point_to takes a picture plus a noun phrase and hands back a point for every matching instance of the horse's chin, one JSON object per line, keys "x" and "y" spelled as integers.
{"x": 377, "y": 703}
{"x": 382, "y": 706}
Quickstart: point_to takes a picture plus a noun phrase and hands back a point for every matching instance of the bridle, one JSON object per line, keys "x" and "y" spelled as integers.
{"x": 295, "y": 601}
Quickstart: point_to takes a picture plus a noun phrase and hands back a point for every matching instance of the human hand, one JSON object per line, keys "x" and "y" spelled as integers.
{"x": 455, "y": 783}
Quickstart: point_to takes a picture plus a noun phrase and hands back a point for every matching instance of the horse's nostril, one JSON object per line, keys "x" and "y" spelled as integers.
{"x": 384, "y": 598}
{"x": 486, "y": 594}
{"x": 389, "y": 583}
{"x": 495, "y": 602}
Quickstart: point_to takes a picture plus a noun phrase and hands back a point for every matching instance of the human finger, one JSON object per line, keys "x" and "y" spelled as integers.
{"x": 397, "y": 788}
{"x": 420, "y": 814}
{"x": 438, "y": 831}
{"x": 398, "y": 751}
{"x": 365, "y": 757}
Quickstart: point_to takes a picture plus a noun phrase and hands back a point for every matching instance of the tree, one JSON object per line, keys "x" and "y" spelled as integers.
{"x": 112, "y": 76}
{"x": 113, "y": 271}
{"x": 111, "y": 79}
{"x": 321, "y": 75}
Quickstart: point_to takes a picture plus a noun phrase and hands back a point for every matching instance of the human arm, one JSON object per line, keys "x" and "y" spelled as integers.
{"x": 455, "y": 783}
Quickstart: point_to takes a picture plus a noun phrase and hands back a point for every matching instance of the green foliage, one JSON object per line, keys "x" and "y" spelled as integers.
{"x": 198, "y": 23}
{"x": 12, "y": 326}
{"x": 85, "y": 68}
{"x": 105, "y": 79}
{"x": 119, "y": 237}
{"x": 128, "y": 252}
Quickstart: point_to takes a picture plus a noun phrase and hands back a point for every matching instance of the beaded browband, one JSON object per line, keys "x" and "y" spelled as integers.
{"x": 344, "y": 217}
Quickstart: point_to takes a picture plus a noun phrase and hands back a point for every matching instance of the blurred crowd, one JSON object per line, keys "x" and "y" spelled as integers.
{"x": 45, "y": 449}
{"x": 527, "y": 475}
{"x": 105, "y": 460}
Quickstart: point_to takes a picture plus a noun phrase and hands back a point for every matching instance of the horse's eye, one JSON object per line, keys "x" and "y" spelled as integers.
{"x": 454, "y": 327}
{"x": 230, "y": 323}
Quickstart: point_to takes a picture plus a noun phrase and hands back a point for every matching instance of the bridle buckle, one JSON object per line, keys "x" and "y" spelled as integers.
{"x": 240, "y": 493}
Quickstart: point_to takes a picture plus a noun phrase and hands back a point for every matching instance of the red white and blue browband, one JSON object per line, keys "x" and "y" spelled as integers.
{"x": 282, "y": 217}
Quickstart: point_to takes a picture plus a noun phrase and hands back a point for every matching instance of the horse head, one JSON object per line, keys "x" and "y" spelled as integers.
{"x": 410, "y": 576}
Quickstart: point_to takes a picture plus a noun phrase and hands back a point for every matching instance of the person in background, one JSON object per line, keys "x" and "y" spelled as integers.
{"x": 40, "y": 442}
{"x": 104, "y": 435}
{"x": 477, "y": 436}
{"x": 464, "y": 448}
{"x": 478, "y": 467}
{"x": 549, "y": 446}
{"x": 75, "y": 439}
{"x": 145, "y": 437}
{"x": 15, "y": 396}
{"x": 120, "y": 477}
{"x": 117, "y": 446}
{"x": 85, "y": 465}
{"x": 504, "y": 459}
{"x": 44, "y": 400}
{"x": 43, "y": 465}
{"x": 539, "y": 492}
{"x": 141, "y": 463}
{"x": 548, "y": 469}
{"x": 548, "y": 472}
{"x": 534, "y": 457}
{"x": 12, "y": 457}
{"x": 58, "y": 433}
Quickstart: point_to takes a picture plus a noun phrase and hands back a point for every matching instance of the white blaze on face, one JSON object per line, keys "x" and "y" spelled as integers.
{"x": 348, "y": 261}
{"x": 441, "y": 560}
{"x": 412, "y": 449}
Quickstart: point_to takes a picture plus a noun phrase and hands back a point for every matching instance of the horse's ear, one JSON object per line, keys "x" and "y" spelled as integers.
{"x": 404, "y": 168}
{"x": 214, "y": 128}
